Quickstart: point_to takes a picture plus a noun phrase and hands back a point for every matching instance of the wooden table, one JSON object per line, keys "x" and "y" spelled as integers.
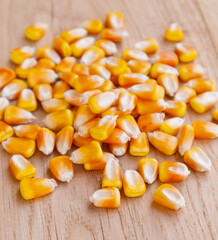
{"x": 67, "y": 212}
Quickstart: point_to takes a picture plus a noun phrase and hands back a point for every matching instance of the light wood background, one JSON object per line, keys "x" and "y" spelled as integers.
{"x": 67, "y": 213}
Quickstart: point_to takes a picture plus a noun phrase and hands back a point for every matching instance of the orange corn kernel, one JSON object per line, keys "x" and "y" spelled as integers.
{"x": 36, "y": 31}
{"x": 148, "y": 107}
{"x": 215, "y": 114}
{"x": 196, "y": 159}
{"x": 45, "y": 141}
{"x": 170, "y": 83}
{"x": 115, "y": 35}
{"x": 149, "y": 45}
{"x": 36, "y": 187}
{"x": 148, "y": 168}
{"x": 117, "y": 137}
{"x": 168, "y": 58}
{"x": 27, "y": 131}
{"x": 160, "y": 68}
{"x": 40, "y": 76}
{"x": 21, "y": 168}
{"x": 133, "y": 184}
{"x": 186, "y": 53}
{"x": 140, "y": 145}
{"x": 62, "y": 47}
{"x": 4, "y": 103}
{"x": 23, "y": 70}
{"x": 84, "y": 129}
{"x": 175, "y": 109}
{"x": 137, "y": 66}
{"x": 53, "y": 105}
{"x": 68, "y": 77}
{"x": 64, "y": 139}
{"x": 129, "y": 79}
{"x": 74, "y": 34}
{"x": 174, "y": 33}
{"x": 205, "y": 130}
{"x": 118, "y": 149}
{"x": 108, "y": 46}
{"x": 59, "y": 89}
{"x": 113, "y": 111}
{"x": 6, "y": 131}
{"x": 112, "y": 174}
{"x": 134, "y": 54}
{"x": 45, "y": 63}
{"x": 27, "y": 100}
{"x": 12, "y": 89}
{"x": 79, "y": 47}
{"x": 88, "y": 153}
{"x": 172, "y": 125}
{"x": 43, "y": 91}
{"x": 107, "y": 86}
{"x": 48, "y": 52}
{"x": 66, "y": 64}
{"x": 173, "y": 172}
{"x": 15, "y": 115}
{"x": 150, "y": 122}
{"x": 6, "y": 76}
{"x": 22, "y": 146}
{"x": 129, "y": 125}
{"x": 98, "y": 69}
{"x": 164, "y": 142}
{"x": 186, "y": 139}
{"x": 91, "y": 55}
{"x": 168, "y": 196}
{"x": 201, "y": 85}
{"x": 106, "y": 198}
{"x": 80, "y": 69}
{"x": 190, "y": 71}
{"x": 62, "y": 168}
{"x": 115, "y": 20}
{"x": 93, "y": 26}
{"x": 185, "y": 94}
{"x": 126, "y": 102}
{"x": 80, "y": 141}
{"x": 18, "y": 55}
{"x": 204, "y": 101}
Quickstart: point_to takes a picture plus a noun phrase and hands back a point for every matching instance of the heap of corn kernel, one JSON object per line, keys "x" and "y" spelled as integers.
{"x": 106, "y": 99}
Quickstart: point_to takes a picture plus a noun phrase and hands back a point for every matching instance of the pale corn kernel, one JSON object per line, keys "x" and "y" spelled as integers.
{"x": 43, "y": 91}
{"x": 74, "y": 34}
{"x": 23, "y": 70}
{"x": 62, "y": 168}
{"x": 27, "y": 100}
{"x": 106, "y": 198}
{"x": 126, "y": 102}
{"x": 172, "y": 125}
{"x": 79, "y": 47}
{"x": 140, "y": 145}
{"x": 22, "y": 146}
{"x": 91, "y": 55}
{"x": 36, "y": 187}
{"x": 118, "y": 149}
{"x": 115, "y": 20}
{"x": 186, "y": 139}
{"x": 117, "y": 137}
{"x": 62, "y": 47}
{"x": 174, "y": 33}
{"x": 148, "y": 168}
{"x": 36, "y": 31}
{"x": 196, "y": 159}
{"x": 15, "y": 115}
{"x": 64, "y": 139}
{"x": 79, "y": 141}
{"x": 168, "y": 196}
{"x": 115, "y": 35}
{"x": 6, "y": 76}
{"x": 133, "y": 184}
{"x": 186, "y": 53}
{"x": 170, "y": 83}
{"x": 108, "y": 46}
{"x": 18, "y": 55}
{"x": 84, "y": 129}
{"x": 184, "y": 94}
{"x": 190, "y": 71}
{"x": 150, "y": 122}
{"x": 48, "y": 52}
{"x": 205, "y": 130}
{"x": 134, "y": 54}
{"x": 204, "y": 101}
{"x": 21, "y": 168}
{"x": 6, "y": 131}
{"x": 168, "y": 58}
{"x": 59, "y": 89}
{"x": 160, "y": 68}
{"x": 27, "y": 131}
{"x": 215, "y": 114}
{"x": 175, "y": 109}
{"x": 137, "y": 66}
{"x": 66, "y": 64}
{"x": 98, "y": 69}
{"x": 45, "y": 141}
{"x": 201, "y": 85}
{"x": 45, "y": 63}
{"x": 53, "y": 105}
{"x": 4, "y": 103}
{"x": 129, "y": 79}
{"x": 69, "y": 78}
{"x": 164, "y": 142}
{"x": 93, "y": 26}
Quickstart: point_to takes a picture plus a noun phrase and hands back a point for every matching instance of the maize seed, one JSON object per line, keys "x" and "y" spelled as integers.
{"x": 64, "y": 139}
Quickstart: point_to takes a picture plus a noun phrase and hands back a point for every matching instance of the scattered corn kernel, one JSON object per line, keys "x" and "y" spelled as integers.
{"x": 79, "y": 47}
{"x": 134, "y": 54}
{"x": 18, "y": 55}
{"x": 117, "y": 137}
{"x": 140, "y": 145}
{"x": 115, "y": 20}
{"x": 186, "y": 139}
{"x": 149, "y": 45}
{"x": 108, "y": 46}
{"x": 205, "y": 130}
{"x": 126, "y": 102}
{"x": 160, "y": 68}
{"x": 74, "y": 34}
{"x": 36, "y": 31}
{"x": 118, "y": 149}
{"x": 66, "y": 64}
{"x": 53, "y": 105}
{"x": 6, "y": 76}
{"x": 174, "y": 33}
{"x": 186, "y": 53}
{"x": 43, "y": 91}
{"x": 27, "y": 131}
{"x": 59, "y": 89}
{"x": 48, "y": 52}
{"x": 79, "y": 141}
{"x": 150, "y": 122}
{"x": 23, "y": 70}
{"x": 175, "y": 109}
{"x": 93, "y": 26}
{"x": 172, "y": 125}
{"x": 190, "y": 71}
{"x": 91, "y": 55}
{"x": 27, "y": 100}
{"x": 185, "y": 94}
{"x": 201, "y": 85}
{"x": 137, "y": 66}
{"x": 45, "y": 141}
{"x": 6, "y": 131}
{"x": 129, "y": 79}
{"x": 115, "y": 35}
{"x": 64, "y": 139}
{"x": 148, "y": 107}
{"x": 62, "y": 47}
{"x": 168, "y": 58}
{"x": 98, "y": 69}
{"x": 45, "y": 63}
{"x": 170, "y": 83}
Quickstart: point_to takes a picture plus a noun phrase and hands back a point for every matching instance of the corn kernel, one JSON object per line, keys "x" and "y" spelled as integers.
{"x": 186, "y": 139}
{"x": 174, "y": 33}
{"x": 118, "y": 149}
{"x": 172, "y": 126}
{"x": 91, "y": 55}
{"x": 59, "y": 89}
{"x": 126, "y": 102}
{"x": 160, "y": 68}
{"x": 64, "y": 139}
{"x": 48, "y": 52}
{"x": 53, "y": 104}
{"x": 175, "y": 109}
{"x": 18, "y": 55}
{"x": 186, "y": 53}
{"x": 150, "y": 122}
{"x": 45, "y": 63}
{"x": 98, "y": 69}
{"x": 84, "y": 129}
{"x": 168, "y": 58}
{"x": 115, "y": 35}
{"x": 27, "y": 100}
{"x": 215, "y": 114}
{"x": 62, "y": 47}
{"x": 6, "y": 76}
{"x": 107, "y": 86}
{"x": 45, "y": 141}
{"x": 79, "y": 47}
{"x": 108, "y": 46}
{"x": 4, "y": 103}
{"x": 115, "y": 20}
{"x": 93, "y": 26}
{"x": 148, "y": 107}
{"x": 27, "y": 131}
{"x": 148, "y": 45}
{"x": 134, "y": 54}
{"x": 80, "y": 141}
{"x": 129, "y": 79}
{"x": 69, "y": 78}
{"x": 23, "y": 70}
{"x": 201, "y": 85}
{"x": 6, "y": 131}
{"x": 66, "y": 64}
{"x": 205, "y": 130}
{"x": 117, "y": 137}
{"x": 113, "y": 111}
{"x": 140, "y": 145}
{"x": 184, "y": 94}
{"x": 74, "y": 34}
{"x": 137, "y": 66}
{"x": 43, "y": 91}
{"x": 36, "y": 31}
{"x": 190, "y": 71}
{"x": 170, "y": 83}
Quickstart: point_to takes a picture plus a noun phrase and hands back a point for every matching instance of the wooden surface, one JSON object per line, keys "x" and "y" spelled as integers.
{"x": 67, "y": 212}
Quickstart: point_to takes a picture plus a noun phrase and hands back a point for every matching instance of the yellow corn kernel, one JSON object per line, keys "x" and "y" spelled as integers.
{"x": 36, "y": 187}
{"x": 170, "y": 83}
{"x": 62, "y": 168}
{"x": 68, "y": 77}
{"x": 108, "y": 46}
{"x": 80, "y": 141}
{"x": 115, "y": 35}
{"x": 112, "y": 174}
{"x": 164, "y": 142}
{"x": 168, "y": 58}
{"x": 172, "y": 125}
{"x": 117, "y": 137}
{"x": 4, "y": 103}
{"x": 148, "y": 107}
{"x": 64, "y": 139}
{"x": 174, "y": 33}
{"x": 22, "y": 146}
{"x": 196, "y": 159}
{"x": 18, "y": 55}
{"x": 106, "y": 198}
{"x": 139, "y": 146}
{"x": 107, "y": 86}
{"x": 126, "y": 102}
{"x": 74, "y": 34}
{"x": 43, "y": 91}
{"x": 84, "y": 129}
{"x": 175, "y": 109}
{"x": 66, "y": 64}
{"x": 6, "y": 76}
{"x": 45, "y": 63}
{"x": 204, "y": 101}
{"x": 215, "y": 114}
{"x": 129, "y": 79}
{"x": 115, "y": 20}
{"x": 168, "y": 196}
{"x": 118, "y": 149}
{"x": 148, "y": 45}
{"x": 91, "y": 55}
{"x": 48, "y": 52}
{"x": 160, "y": 68}
{"x": 205, "y": 130}
{"x": 27, "y": 131}
{"x": 148, "y": 168}
{"x": 59, "y": 89}
{"x": 93, "y": 26}
{"x": 53, "y": 105}
{"x": 98, "y": 69}
{"x": 36, "y": 31}
{"x": 173, "y": 172}
{"x": 185, "y": 94}
{"x": 27, "y": 100}
{"x": 15, "y": 115}
{"x": 186, "y": 53}
{"x": 80, "y": 69}
{"x": 21, "y": 168}
{"x": 88, "y": 153}
{"x": 133, "y": 184}
{"x": 12, "y": 90}
{"x": 79, "y": 47}
{"x": 23, "y": 70}
{"x": 190, "y": 71}
{"x": 201, "y": 85}
{"x": 62, "y": 47}
{"x": 186, "y": 139}
{"x": 150, "y": 122}
{"x": 6, "y": 131}
{"x": 137, "y": 66}
{"x": 134, "y": 54}
{"x": 45, "y": 141}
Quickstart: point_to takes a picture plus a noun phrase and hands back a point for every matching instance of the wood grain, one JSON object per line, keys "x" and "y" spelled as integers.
{"x": 67, "y": 213}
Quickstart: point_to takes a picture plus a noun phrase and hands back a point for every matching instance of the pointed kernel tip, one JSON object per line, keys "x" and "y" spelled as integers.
{"x": 53, "y": 183}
